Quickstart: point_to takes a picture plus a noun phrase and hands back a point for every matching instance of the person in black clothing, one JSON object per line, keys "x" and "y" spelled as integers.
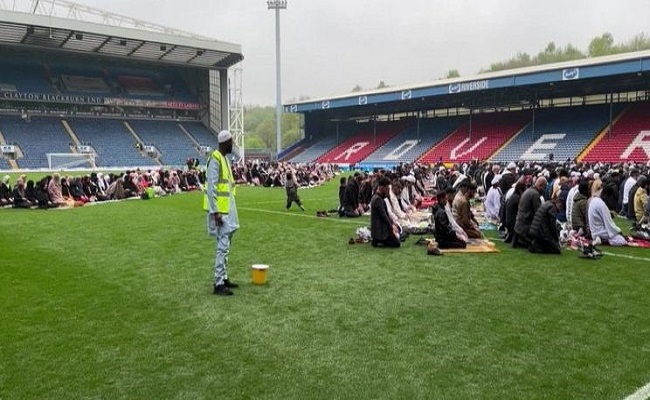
{"x": 543, "y": 231}
{"x": 5, "y": 192}
{"x": 20, "y": 195}
{"x": 342, "y": 186}
{"x": 444, "y": 233}
{"x": 511, "y": 208}
{"x": 351, "y": 197}
{"x": 292, "y": 192}
{"x": 383, "y": 230}
{"x": 365, "y": 193}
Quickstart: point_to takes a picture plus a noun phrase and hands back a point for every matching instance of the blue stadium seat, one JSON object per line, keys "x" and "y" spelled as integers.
{"x": 174, "y": 145}
{"x": 409, "y": 145}
{"x": 114, "y": 144}
{"x": 35, "y": 138}
{"x": 563, "y": 131}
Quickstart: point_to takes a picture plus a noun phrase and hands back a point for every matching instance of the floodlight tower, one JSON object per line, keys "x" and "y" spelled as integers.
{"x": 277, "y": 5}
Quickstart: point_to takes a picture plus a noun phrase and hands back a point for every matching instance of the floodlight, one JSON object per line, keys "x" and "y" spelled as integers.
{"x": 277, "y": 5}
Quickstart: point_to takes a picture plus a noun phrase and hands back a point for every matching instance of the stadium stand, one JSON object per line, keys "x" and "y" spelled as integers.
{"x": 113, "y": 143}
{"x": 313, "y": 152}
{"x": 175, "y": 147}
{"x": 325, "y": 142}
{"x": 292, "y": 151}
{"x": 409, "y": 145}
{"x": 628, "y": 140}
{"x": 200, "y": 133}
{"x": 563, "y": 131}
{"x": 78, "y": 79}
{"x": 23, "y": 75}
{"x": 489, "y": 133}
{"x": 36, "y": 137}
{"x": 361, "y": 145}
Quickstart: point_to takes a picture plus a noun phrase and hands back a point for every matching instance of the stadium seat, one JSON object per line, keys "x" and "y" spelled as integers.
{"x": 36, "y": 138}
{"x": 113, "y": 143}
{"x": 562, "y": 131}
{"x": 489, "y": 133}
{"x": 409, "y": 145}
{"x": 361, "y": 145}
{"x": 174, "y": 145}
{"x": 628, "y": 140}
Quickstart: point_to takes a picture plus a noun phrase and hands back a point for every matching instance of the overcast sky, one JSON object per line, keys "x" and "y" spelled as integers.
{"x": 328, "y": 47}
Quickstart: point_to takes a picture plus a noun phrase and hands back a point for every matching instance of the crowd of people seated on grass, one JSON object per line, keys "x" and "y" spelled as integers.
{"x": 70, "y": 191}
{"x": 274, "y": 174}
{"x": 529, "y": 202}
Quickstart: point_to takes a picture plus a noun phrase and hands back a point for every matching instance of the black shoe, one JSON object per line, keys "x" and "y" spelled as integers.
{"x": 222, "y": 290}
{"x": 230, "y": 285}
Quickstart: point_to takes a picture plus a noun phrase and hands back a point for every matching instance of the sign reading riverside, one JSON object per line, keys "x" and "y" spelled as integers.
{"x": 469, "y": 86}
{"x": 115, "y": 101}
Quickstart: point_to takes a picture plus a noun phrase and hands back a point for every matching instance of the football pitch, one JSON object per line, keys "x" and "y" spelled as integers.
{"x": 115, "y": 301}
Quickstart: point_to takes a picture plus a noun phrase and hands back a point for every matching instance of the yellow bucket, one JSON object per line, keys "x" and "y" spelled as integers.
{"x": 259, "y": 274}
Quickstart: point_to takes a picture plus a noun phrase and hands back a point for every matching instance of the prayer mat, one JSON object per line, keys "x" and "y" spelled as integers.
{"x": 475, "y": 246}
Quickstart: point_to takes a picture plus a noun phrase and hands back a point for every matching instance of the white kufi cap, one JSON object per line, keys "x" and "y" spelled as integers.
{"x": 224, "y": 136}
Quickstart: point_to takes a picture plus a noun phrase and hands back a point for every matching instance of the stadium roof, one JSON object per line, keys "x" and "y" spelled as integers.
{"x": 40, "y": 32}
{"x": 601, "y": 75}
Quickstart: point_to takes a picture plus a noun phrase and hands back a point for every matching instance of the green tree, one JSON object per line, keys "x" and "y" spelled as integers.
{"x": 601, "y": 45}
{"x": 382, "y": 85}
{"x": 259, "y": 125}
{"x": 452, "y": 73}
{"x": 357, "y": 88}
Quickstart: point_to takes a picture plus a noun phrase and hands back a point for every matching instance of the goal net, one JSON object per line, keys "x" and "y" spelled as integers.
{"x": 62, "y": 161}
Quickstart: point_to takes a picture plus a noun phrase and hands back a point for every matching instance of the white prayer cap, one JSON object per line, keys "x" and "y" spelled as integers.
{"x": 459, "y": 180}
{"x": 512, "y": 165}
{"x": 224, "y": 136}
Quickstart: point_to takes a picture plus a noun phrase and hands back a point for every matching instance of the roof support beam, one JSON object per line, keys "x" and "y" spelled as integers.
{"x": 136, "y": 48}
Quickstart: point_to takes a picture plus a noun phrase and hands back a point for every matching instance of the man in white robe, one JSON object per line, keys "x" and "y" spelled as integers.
{"x": 601, "y": 225}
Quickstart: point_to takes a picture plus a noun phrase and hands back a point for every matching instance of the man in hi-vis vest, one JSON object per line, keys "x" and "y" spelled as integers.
{"x": 219, "y": 202}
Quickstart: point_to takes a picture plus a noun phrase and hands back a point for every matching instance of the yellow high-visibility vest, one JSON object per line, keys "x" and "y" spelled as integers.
{"x": 222, "y": 188}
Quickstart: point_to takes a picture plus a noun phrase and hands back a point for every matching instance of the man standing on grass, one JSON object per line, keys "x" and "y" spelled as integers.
{"x": 222, "y": 211}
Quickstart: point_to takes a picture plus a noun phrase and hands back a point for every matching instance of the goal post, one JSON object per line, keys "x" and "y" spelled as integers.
{"x": 62, "y": 161}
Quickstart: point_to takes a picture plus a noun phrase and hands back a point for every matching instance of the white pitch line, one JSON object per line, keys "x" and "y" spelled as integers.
{"x": 283, "y": 201}
{"x": 332, "y": 218}
{"x": 641, "y": 394}
{"x": 607, "y": 253}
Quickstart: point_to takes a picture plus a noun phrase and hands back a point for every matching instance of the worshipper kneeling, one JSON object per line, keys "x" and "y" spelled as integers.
{"x": 528, "y": 205}
{"x": 543, "y": 231}
{"x": 602, "y": 227}
{"x": 463, "y": 213}
{"x": 383, "y": 230}
{"x": 493, "y": 201}
{"x": 444, "y": 232}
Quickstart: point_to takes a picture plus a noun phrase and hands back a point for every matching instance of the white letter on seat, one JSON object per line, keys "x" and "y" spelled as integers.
{"x": 355, "y": 148}
{"x": 545, "y": 142}
{"x": 641, "y": 140}
{"x": 400, "y": 150}
{"x": 453, "y": 155}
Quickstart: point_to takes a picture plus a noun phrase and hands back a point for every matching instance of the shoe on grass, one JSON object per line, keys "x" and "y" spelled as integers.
{"x": 222, "y": 290}
{"x": 229, "y": 284}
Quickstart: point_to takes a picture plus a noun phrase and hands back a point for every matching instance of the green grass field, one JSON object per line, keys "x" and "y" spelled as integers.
{"x": 115, "y": 302}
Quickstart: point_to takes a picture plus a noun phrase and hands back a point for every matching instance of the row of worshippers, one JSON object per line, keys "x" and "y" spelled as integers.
{"x": 274, "y": 174}
{"x": 531, "y": 216}
{"x": 64, "y": 191}
{"x": 405, "y": 197}
{"x": 451, "y": 216}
